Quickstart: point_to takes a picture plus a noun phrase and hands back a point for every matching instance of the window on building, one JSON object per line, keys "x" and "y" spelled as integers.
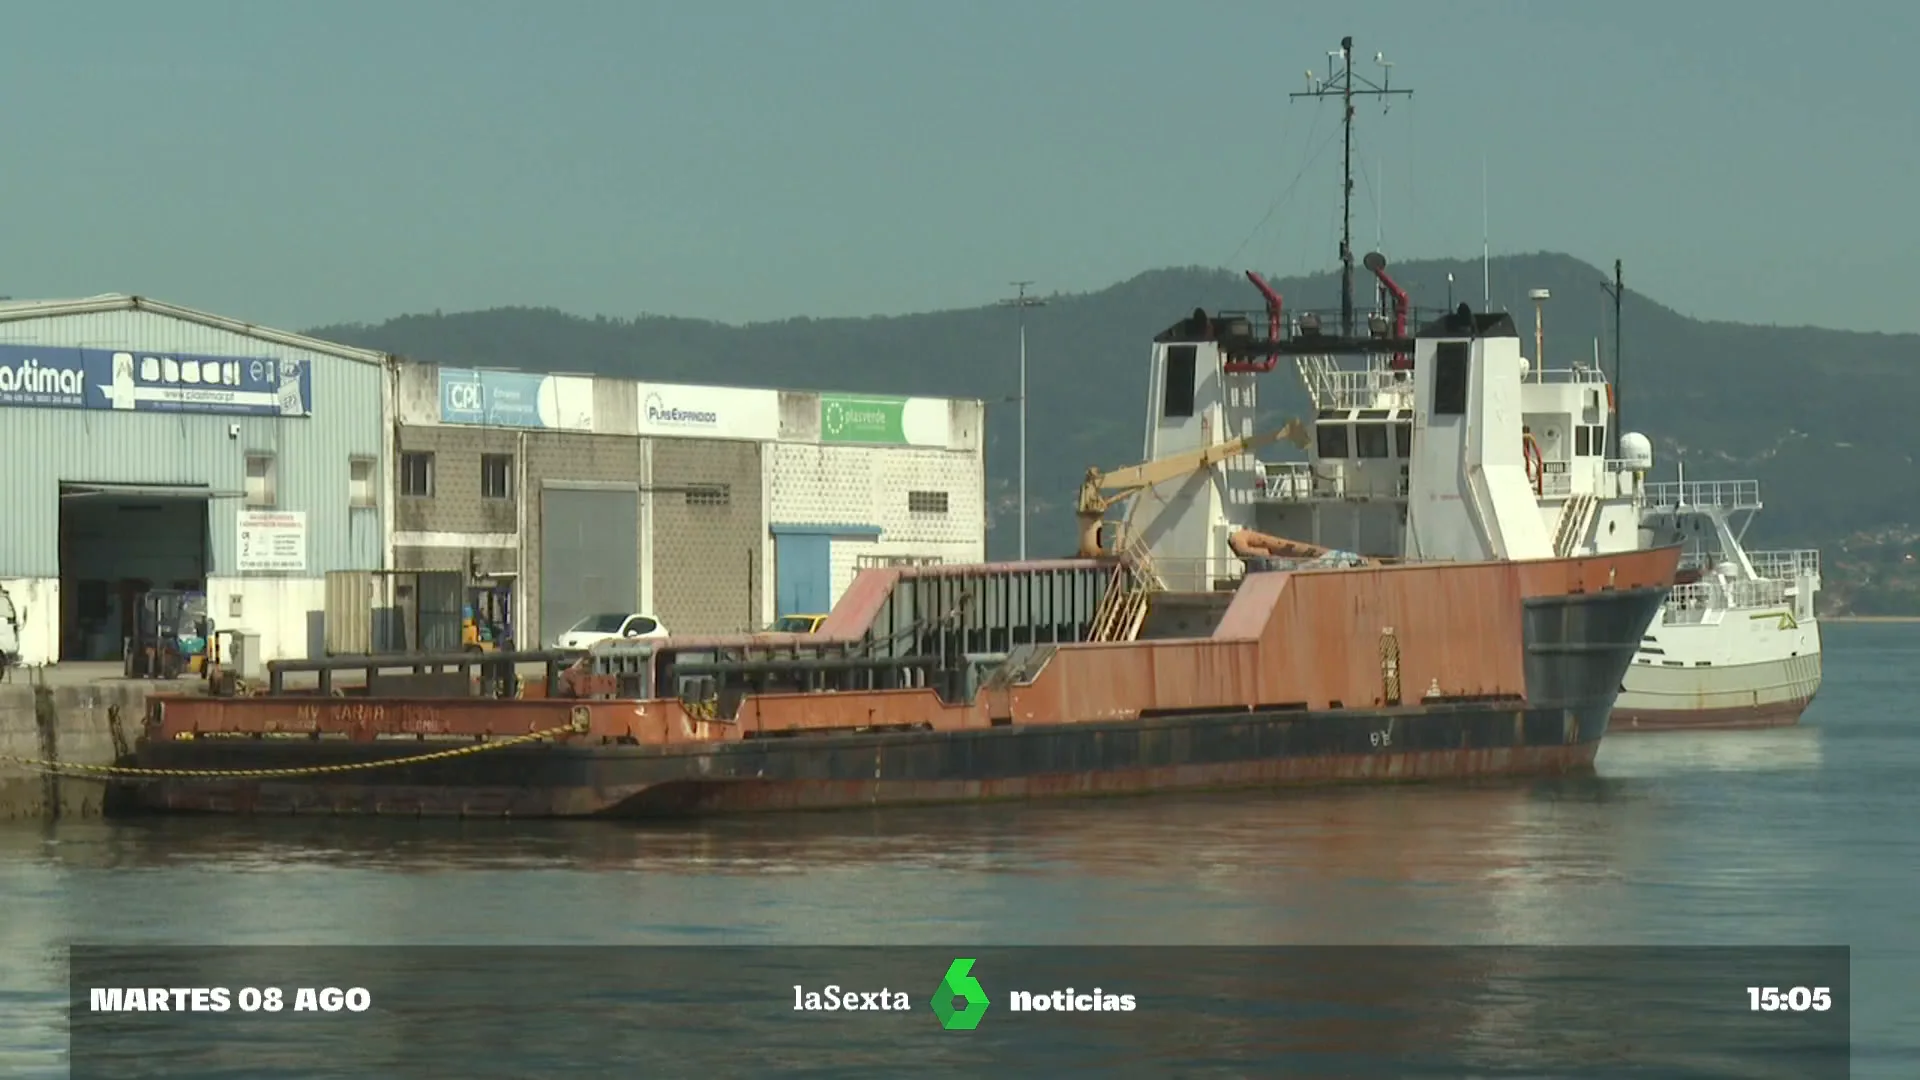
{"x": 496, "y": 476}
{"x": 926, "y": 502}
{"x": 260, "y": 479}
{"x": 360, "y": 482}
{"x": 709, "y": 494}
{"x": 416, "y": 474}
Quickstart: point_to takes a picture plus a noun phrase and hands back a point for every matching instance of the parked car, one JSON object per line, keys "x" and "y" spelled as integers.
{"x": 607, "y": 626}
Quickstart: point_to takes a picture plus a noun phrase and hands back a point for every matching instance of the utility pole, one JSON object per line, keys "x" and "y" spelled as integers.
{"x": 1616, "y": 289}
{"x": 1341, "y": 86}
{"x": 1021, "y": 302}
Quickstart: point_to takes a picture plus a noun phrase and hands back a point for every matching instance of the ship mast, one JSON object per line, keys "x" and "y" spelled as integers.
{"x": 1617, "y": 290}
{"x": 1341, "y": 85}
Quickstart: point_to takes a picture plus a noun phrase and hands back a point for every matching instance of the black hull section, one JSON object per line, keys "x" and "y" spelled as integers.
{"x": 1173, "y": 753}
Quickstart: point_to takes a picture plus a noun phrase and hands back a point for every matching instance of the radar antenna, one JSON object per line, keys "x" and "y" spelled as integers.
{"x": 1341, "y": 85}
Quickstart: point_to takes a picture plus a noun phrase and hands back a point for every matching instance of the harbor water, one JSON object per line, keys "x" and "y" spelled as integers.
{"x": 1800, "y": 836}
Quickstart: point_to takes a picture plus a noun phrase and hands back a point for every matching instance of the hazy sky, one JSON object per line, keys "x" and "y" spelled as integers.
{"x": 297, "y": 163}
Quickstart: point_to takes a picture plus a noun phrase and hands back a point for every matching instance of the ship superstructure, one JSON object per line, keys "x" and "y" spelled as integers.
{"x": 1737, "y": 644}
{"x": 1388, "y": 475}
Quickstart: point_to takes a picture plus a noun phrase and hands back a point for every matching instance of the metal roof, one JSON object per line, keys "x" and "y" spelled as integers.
{"x": 17, "y": 310}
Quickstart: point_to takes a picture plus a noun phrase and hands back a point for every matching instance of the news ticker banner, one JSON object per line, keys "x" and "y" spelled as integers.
{"x": 259, "y": 1012}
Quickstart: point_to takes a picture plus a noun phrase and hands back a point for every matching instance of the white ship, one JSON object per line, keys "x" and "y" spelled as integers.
{"x": 1738, "y": 645}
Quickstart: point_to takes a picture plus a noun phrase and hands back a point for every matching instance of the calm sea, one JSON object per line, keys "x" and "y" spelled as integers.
{"x": 1802, "y": 836}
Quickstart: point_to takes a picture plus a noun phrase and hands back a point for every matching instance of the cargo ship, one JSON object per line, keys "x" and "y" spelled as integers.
{"x": 1020, "y": 680}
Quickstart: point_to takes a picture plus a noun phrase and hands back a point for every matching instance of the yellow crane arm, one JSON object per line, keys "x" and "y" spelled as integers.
{"x": 1100, "y": 491}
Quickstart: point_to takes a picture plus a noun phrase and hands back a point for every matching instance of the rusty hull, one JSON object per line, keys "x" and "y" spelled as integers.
{"x": 1497, "y": 669}
{"x": 576, "y": 778}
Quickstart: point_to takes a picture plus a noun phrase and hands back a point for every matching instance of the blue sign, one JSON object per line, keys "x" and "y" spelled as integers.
{"x": 495, "y": 398}
{"x": 60, "y": 377}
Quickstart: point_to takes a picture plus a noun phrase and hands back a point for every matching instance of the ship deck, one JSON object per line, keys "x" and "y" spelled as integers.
{"x": 957, "y": 648}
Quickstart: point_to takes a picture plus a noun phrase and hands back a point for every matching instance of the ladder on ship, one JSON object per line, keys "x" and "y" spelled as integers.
{"x": 1319, "y": 373}
{"x": 1123, "y": 610}
{"x": 1576, "y": 517}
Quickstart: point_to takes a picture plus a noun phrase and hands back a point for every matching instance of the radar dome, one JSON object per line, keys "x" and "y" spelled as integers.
{"x": 1637, "y": 450}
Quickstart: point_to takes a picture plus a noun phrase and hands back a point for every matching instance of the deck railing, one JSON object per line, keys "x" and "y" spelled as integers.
{"x": 1702, "y": 601}
{"x": 1566, "y": 375}
{"x": 1295, "y": 481}
{"x": 1785, "y": 565}
{"x": 1673, "y": 495}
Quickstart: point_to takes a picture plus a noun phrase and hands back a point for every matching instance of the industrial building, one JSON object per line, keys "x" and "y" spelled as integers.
{"x": 152, "y": 447}
{"x": 712, "y": 509}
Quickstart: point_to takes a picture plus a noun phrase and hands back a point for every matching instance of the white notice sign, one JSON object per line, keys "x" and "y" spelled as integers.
{"x": 274, "y": 541}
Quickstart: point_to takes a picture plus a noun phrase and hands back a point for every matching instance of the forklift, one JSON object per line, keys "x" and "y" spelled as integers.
{"x": 487, "y": 623}
{"x": 170, "y": 632}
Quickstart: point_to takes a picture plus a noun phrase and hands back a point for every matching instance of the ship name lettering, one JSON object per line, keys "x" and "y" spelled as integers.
{"x": 1383, "y": 738}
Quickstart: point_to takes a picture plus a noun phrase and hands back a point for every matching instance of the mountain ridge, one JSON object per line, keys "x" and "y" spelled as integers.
{"x": 1818, "y": 415}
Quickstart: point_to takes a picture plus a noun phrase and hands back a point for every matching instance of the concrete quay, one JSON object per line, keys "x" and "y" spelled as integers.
{"x": 88, "y": 714}
{"x": 80, "y": 713}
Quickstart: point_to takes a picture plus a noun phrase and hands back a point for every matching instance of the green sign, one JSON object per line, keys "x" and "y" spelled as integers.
{"x": 863, "y": 420}
{"x": 959, "y": 984}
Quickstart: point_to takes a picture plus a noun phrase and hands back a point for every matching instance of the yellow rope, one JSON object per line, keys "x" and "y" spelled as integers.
{"x": 577, "y": 725}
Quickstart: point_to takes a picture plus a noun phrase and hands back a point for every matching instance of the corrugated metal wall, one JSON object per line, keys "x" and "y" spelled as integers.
{"x": 43, "y": 447}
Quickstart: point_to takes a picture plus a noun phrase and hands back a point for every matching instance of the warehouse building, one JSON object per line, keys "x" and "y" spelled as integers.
{"x": 150, "y": 446}
{"x": 711, "y": 509}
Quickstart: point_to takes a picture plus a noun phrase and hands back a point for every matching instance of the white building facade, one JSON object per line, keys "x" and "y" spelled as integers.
{"x": 716, "y": 509}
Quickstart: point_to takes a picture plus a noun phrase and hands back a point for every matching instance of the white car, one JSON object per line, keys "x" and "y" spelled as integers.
{"x": 608, "y": 626}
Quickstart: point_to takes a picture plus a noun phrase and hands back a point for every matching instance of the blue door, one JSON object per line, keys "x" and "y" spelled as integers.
{"x": 802, "y": 573}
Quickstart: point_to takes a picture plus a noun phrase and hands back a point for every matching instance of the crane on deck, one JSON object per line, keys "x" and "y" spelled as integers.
{"x": 1100, "y": 491}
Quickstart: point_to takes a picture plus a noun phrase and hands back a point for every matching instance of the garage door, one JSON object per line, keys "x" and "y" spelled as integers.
{"x": 116, "y": 542}
{"x": 589, "y": 555}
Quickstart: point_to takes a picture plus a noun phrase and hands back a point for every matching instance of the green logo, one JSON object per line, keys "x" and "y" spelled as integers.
{"x": 959, "y": 984}
{"x": 863, "y": 420}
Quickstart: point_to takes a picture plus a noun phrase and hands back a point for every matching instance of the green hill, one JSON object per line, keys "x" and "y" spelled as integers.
{"x": 1820, "y": 417}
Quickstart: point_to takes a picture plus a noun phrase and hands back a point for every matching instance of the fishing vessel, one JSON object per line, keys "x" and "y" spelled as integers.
{"x": 1092, "y": 675}
{"x": 1737, "y": 644}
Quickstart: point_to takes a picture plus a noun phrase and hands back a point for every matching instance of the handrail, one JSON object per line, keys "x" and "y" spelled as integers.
{"x": 1785, "y": 565}
{"x": 1674, "y": 495}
